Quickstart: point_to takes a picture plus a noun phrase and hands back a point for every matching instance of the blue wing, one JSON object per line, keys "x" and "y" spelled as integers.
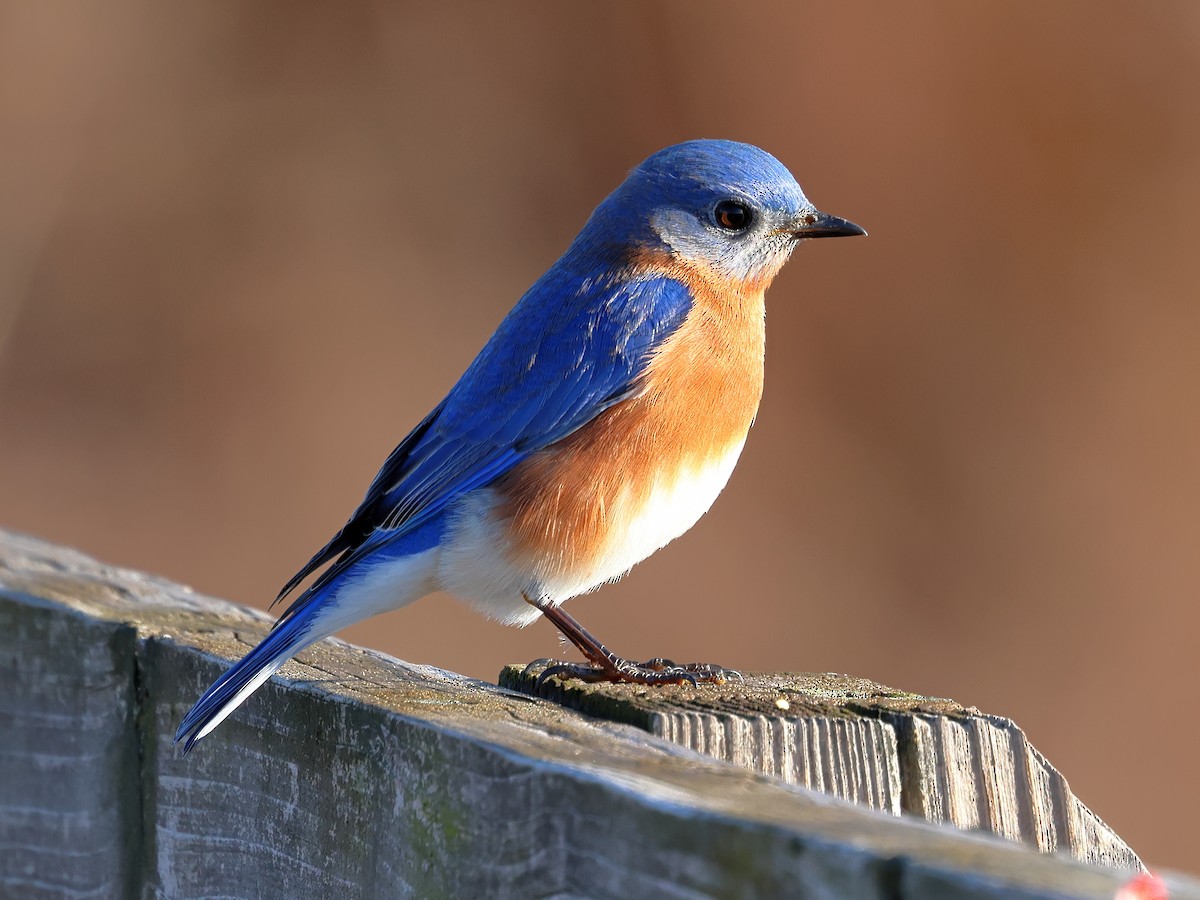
{"x": 575, "y": 345}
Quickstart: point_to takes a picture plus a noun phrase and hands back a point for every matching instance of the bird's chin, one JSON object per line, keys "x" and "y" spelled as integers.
{"x": 769, "y": 267}
{"x": 757, "y": 270}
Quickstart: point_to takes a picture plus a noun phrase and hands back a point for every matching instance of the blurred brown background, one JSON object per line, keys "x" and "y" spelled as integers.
{"x": 243, "y": 248}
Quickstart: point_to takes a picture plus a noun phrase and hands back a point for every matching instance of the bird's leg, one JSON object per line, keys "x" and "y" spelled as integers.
{"x": 607, "y": 666}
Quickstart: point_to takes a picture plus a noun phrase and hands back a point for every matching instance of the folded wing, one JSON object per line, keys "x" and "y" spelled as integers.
{"x": 575, "y": 345}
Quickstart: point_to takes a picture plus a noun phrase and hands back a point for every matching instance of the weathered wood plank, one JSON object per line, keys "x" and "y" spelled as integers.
{"x": 66, "y": 714}
{"x": 864, "y": 742}
{"x": 799, "y": 728}
{"x": 357, "y": 775}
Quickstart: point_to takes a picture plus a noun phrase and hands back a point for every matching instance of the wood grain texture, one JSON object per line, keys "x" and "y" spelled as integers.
{"x": 66, "y": 714}
{"x": 355, "y": 775}
{"x": 867, "y": 743}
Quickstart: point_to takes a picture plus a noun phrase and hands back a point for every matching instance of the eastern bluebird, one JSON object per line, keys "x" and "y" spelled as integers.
{"x": 597, "y": 424}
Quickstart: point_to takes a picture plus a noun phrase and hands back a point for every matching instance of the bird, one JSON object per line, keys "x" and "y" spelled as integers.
{"x": 598, "y": 423}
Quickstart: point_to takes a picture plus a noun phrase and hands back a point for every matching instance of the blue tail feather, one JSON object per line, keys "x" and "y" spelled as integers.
{"x": 319, "y": 612}
{"x": 288, "y": 637}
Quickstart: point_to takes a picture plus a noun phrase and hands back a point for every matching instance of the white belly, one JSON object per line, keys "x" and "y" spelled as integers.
{"x": 671, "y": 509}
{"x": 477, "y": 563}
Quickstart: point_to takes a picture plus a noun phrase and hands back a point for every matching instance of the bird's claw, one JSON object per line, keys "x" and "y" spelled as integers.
{"x": 582, "y": 671}
{"x": 537, "y": 663}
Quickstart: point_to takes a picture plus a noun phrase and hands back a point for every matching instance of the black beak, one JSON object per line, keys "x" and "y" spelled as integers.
{"x": 818, "y": 225}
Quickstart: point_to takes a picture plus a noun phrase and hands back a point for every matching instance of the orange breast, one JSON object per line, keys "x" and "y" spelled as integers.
{"x": 568, "y": 506}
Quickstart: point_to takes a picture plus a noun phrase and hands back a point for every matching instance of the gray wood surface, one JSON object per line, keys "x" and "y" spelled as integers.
{"x": 865, "y": 742}
{"x": 356, "y": 775}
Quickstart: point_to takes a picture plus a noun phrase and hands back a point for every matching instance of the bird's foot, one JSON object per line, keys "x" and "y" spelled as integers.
{"x": 604, "y": 665}
{"x": 651, "y": 672}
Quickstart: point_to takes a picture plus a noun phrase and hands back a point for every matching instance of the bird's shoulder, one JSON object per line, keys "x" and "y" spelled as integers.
{"x": 576, "y": 334}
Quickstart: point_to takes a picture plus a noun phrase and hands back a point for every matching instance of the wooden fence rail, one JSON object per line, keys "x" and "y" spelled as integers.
{"x": 357, "y": 775}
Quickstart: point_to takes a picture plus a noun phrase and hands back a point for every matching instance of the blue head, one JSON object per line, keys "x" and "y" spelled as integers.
{"x": 729, "y": 206}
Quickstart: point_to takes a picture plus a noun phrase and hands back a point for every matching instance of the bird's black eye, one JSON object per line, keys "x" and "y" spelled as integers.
{"x": 732, "y": 215}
